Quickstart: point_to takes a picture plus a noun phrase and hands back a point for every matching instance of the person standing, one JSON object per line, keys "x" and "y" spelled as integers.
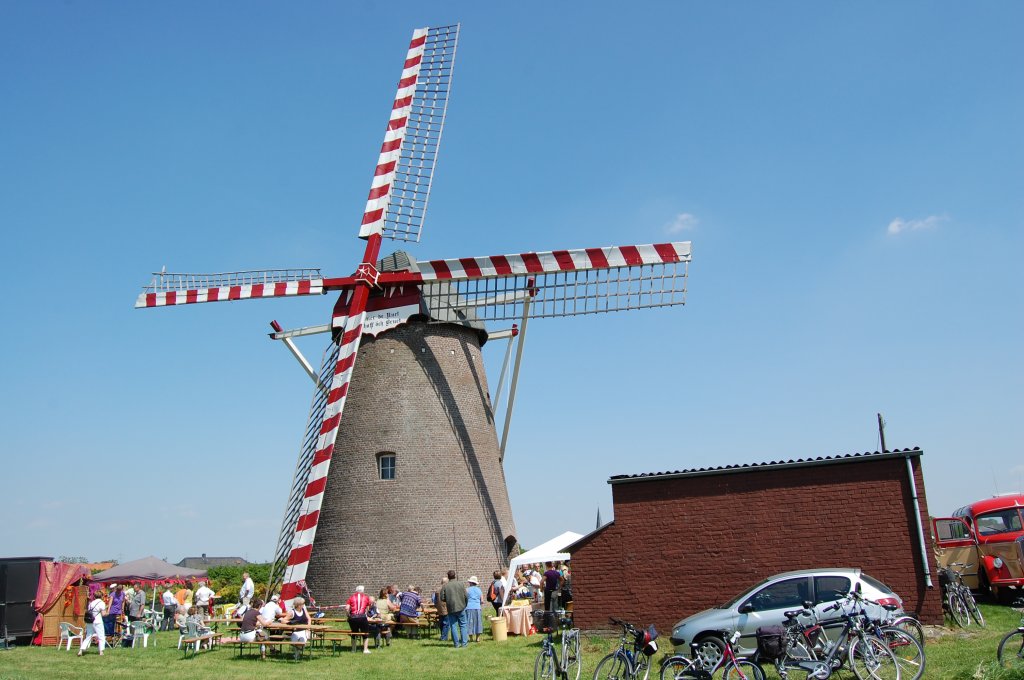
{"x": 442, "y": 610}
{"x": 170, "y": 607}
{"x": 496, "y": 592}
{"x": 474, "y": 607}
{"x": 247, "y": 590}
{"x": 184, "y": 595}
{"x": 454, "y": 596}
{"x": 552, "y": 586}
{"x": 137, "y": 605}
{"x": 358, "y": 604}
{"x": 204, "y": 599}
{"x": 94, "y": 628}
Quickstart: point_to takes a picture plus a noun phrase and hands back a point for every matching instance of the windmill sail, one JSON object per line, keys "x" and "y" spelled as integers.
{"x": 167, "y": 289}
{"x": 559, "y": 283}
{"x": 297, "y": 505}
{"x": 397, "y": 204}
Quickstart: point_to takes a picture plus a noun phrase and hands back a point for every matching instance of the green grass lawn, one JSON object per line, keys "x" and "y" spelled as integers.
{"x": 959, "y": 654}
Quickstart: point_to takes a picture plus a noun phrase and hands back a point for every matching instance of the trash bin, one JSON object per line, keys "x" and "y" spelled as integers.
{"x": 499, "y": 628}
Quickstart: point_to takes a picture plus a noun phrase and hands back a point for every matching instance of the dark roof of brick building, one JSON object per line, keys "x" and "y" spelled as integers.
{"x": 772, "y": 465}
{"x": 204, "y": 562}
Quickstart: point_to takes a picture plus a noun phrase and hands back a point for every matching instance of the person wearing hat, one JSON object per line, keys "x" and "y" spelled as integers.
{"x": 474, "y": 605}
{"x": 271, "y": 611}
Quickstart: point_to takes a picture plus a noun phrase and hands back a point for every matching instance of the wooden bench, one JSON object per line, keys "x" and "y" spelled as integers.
{"x": 336, "y": 636}
{"x": 194, "y": 643}
{"x": 301, "y": 647}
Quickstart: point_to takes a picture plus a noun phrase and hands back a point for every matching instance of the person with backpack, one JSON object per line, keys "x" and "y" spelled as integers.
{"x": 496, "y": 593}
{"x": 94, "y": 624}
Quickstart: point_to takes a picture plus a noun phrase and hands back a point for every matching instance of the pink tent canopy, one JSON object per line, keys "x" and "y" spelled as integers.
{"x": 148, "y": 571}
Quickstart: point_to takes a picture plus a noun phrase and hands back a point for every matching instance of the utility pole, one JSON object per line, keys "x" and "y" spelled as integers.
{"x": 881, "y": 430}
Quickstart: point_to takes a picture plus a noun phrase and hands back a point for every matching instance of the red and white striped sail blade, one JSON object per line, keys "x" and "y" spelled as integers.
{"x": 182, "y": 289}
{"x": 305, "y": 528}
{"x": 397, "y": 202}
{"x": 579, "y": 259}
{"x": 559, "y": 282}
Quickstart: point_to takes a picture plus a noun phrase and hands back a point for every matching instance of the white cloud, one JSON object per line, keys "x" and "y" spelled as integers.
{"x": 899, "y": 224}
{"x": 682, "y": 222}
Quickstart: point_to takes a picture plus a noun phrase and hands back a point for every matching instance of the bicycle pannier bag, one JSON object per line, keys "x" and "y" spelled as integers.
{"x": 650, "y": 647}
{"x": 771, "y": 642}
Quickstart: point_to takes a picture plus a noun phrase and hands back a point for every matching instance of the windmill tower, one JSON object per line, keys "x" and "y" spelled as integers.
{"x": 410, "y": 482}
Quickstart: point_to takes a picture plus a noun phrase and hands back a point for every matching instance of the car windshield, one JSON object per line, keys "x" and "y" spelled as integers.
{"x": 730, "y": 603}
{"x": 999, "y": 522}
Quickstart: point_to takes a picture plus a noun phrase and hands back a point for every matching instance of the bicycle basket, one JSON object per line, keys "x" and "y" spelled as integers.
{"x": 947, "y": 577}
{"x": 771, "y": 642}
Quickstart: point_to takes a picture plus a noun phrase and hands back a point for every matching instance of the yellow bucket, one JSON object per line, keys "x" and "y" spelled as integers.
{"x": 499, "y": 628}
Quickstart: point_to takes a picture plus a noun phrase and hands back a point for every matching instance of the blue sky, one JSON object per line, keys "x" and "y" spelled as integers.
{"x": 849, "y": 174}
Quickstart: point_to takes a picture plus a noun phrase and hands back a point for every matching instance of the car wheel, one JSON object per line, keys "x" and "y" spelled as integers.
{"x": 709, "y": 650}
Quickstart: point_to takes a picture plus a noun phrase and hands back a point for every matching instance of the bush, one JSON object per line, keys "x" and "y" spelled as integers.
{"x": 226, "y": 581}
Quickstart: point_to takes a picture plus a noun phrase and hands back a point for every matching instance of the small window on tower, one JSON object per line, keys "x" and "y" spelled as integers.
{"x": 386, "y": 465}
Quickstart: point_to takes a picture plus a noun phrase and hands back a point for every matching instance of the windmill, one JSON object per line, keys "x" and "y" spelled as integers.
{"x": 416, "y": 457}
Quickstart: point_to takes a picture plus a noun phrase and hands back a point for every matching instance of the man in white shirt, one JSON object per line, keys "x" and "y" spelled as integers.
{"x": 203, "y": 598}
{"x": 170, "y": 608}
{"x": 247, "y": 591}
{"x": 272, "y": 610}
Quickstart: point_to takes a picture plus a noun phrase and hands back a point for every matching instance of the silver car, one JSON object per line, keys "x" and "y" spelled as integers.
{"x": 764, "y": 604}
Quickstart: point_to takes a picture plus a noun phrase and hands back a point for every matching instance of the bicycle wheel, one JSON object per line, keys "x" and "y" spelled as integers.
{"x": 908, "y": 652}
{"x": 642, "y": 666}
{"x": 957, "y": 609}
{"x": 871, "y": 659}
{"x": 544, "y": 667}
{"x": 612, "y": 667}
{"x": 743, "y": 670}
{"x": 1011, "y": 650}
{"x": 571, "y": 657}
{"x": 972, "y": 606}
{"x": 908, "y": 624}
{"x": 677, "y": 667}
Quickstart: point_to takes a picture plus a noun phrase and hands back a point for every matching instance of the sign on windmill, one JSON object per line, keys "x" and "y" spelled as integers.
{"x": 417, "y": 448}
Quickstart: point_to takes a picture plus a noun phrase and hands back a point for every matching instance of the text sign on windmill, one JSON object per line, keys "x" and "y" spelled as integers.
{"x": 383, "y": 297}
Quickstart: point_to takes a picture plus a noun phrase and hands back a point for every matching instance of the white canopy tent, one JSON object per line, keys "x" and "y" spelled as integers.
{"x": 549, "y": 551}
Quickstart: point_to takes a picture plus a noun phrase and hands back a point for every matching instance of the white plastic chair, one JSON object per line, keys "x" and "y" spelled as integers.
{"x": 140, "y": 632}
{"x": 70, "y": 633}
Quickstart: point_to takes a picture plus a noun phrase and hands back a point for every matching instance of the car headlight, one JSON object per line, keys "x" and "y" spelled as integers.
{"x": 998, "y": 563}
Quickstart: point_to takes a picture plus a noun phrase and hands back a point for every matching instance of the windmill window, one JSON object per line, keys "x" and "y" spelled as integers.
{"x": 386, "y": 465}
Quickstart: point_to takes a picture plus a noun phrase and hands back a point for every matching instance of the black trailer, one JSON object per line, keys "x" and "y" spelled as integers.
{"x": 19, "y": 578}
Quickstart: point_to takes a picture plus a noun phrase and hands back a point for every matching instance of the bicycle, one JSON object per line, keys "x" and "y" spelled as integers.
{"x": 957, "y": 597}
{"x": 679, "y": 667}
{"x": 1010, "y": 653}
{"x": 632, "y": 659}
{"x": 548, "y": 664}
{"x": 908, "y": 652}
{"x": 908, "y": 624}
{"x": 868, "y": 656}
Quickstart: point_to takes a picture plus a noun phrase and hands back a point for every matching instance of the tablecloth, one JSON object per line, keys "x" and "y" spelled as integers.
{"x": 517, "y": 619}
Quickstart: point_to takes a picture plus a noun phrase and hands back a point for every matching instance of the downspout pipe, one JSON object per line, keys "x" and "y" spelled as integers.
{"x": 917, "y": 520}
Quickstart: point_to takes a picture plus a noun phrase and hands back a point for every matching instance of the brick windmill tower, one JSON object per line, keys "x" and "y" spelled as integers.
{"x": 410, "y": 481}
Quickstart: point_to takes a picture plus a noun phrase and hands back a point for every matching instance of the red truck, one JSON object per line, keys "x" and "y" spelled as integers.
{"x": 989, "y": 535}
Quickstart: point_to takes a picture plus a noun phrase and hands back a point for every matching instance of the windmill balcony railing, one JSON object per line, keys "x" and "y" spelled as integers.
{"x": 166, "y": 281}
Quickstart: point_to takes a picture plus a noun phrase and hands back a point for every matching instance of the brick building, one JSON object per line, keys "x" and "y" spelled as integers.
{"x": 684, "y": 541}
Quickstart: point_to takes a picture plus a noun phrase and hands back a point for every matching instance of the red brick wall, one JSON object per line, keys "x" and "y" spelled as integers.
{"x": 678, "y": 546}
